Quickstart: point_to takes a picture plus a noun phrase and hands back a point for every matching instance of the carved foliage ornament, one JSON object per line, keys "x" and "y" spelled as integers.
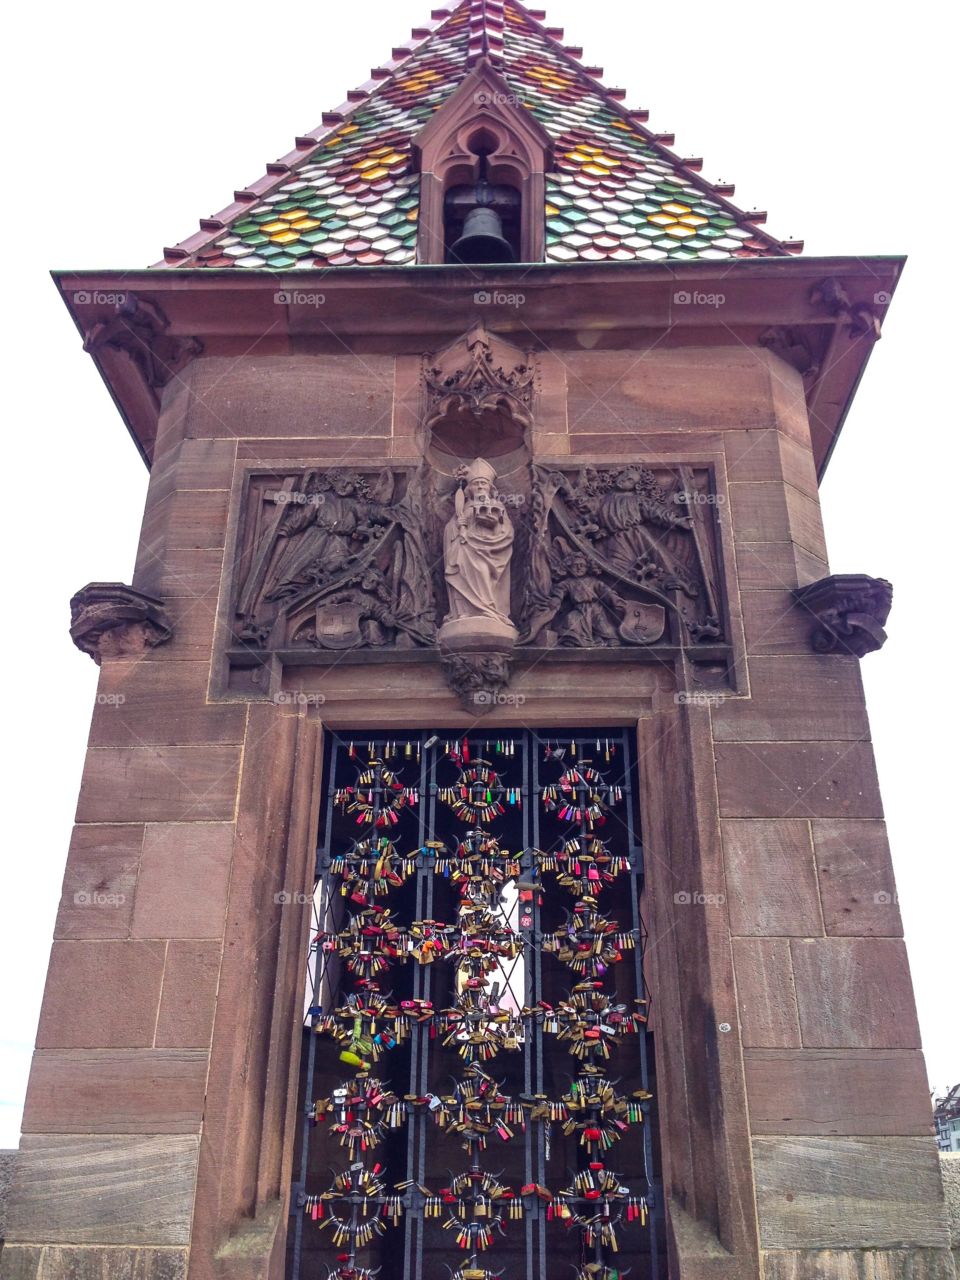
{"x": 469, "y": 379}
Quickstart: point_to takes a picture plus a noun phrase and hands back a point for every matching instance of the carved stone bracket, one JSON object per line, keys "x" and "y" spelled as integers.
{"x": 112, "y": 620}
{"x": 861, "y": 319}
{"x": 477, "y": 679}
{"x": 139, "y": 328}
{"x": 793, "y": 346}
{"x": 849, "y": 611}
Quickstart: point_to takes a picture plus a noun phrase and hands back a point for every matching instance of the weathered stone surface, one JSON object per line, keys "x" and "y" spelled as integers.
{"x": 101, "y": 995}
{"x": 950, "y": 1173}
{"x": 104, "y": 1190}
{"x": 854, "y": 993}
{"x": 849, "y": 1193}
{"x": 320, "y": 395}
{"x": 765, "y": 993}
{"x": 772, "y": 623}
{"x": 8, "y": 1160}
{"x": 767, "y": 566}
{"x": 856, "y": 878}
{"x": 796, "y": 699}
{"x": 100, "y": 881}
{"x": 161, "y": 704}
{"x": 184, "y": 574}
{"x": 182, "y": 889}
{"x": 616, "y": 391}
{"x": 837, "y": 1091}
{"x": 189, "y": 997}
{"x": 159, "y": 784}
{"x": 797, "y": 780}
{"x": 859, "y": 1264}
{"x": 771, "y": 879}
{"x": 116, "y": 1091}
{"x": 773, "y": 512}
{"x": 20, "y": 1262}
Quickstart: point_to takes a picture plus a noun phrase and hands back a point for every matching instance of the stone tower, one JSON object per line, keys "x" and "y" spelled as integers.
{"x": 484, "y": 440}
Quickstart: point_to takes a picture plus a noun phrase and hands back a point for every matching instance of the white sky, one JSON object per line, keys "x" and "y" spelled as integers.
{"x": 128, "y": 122}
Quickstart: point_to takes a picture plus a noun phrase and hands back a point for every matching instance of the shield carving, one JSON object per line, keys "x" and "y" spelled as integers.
{"x": 642, "y": 623}
{"x": 338, "y": 625}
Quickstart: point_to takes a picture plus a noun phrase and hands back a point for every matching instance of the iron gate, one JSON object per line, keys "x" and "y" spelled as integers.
{"x": 477, "y": 1079}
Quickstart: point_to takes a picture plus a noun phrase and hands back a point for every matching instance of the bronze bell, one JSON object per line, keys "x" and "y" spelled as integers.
{"x": 482, "y": 239}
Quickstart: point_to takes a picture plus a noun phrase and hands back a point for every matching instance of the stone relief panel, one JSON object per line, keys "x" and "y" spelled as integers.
{"x": 404, "y": 558}
{"x": 335, "y": 560}
{"x": 621, "y": 556}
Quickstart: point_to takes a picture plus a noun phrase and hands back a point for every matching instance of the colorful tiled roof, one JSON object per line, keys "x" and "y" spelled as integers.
{"x": 350, "y": 194}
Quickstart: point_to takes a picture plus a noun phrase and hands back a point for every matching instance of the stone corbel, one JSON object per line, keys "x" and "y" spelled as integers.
{"x": 860, "y": 317}
{"x": 793, "y": 346}
{"x": 111, "y": 620}
{"x": 139, "y": 328}
{"x": 849, "y": 610}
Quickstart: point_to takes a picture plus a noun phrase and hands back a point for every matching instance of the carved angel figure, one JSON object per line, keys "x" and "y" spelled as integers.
{"x": 331, "y": 521}
{"x": 593, "y": 605}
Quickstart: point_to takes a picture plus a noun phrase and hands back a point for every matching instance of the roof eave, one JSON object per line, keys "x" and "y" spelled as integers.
{"x": 232, "y": 310}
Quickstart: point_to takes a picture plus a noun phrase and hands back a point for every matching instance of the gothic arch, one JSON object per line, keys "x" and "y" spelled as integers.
{"x": 485, "y": 117}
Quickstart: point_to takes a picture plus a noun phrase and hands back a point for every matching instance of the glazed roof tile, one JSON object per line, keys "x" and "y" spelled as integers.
{"x": 349, "y": 195}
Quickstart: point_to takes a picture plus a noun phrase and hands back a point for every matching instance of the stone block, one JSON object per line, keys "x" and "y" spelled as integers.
{"x": 189, "y": 994}
{"x": 856, "y": 878}
{"x": 100, "y": 881}
{"x": 849, "y": 1193}
{"x": 854, "y": 993}
{"x": 847, "y": 1092}
{"x": 797, "y": 780}
{"x": 766, "y": 998}
{"x": 104, "y": 1189}
{"x": 101, "y": 995}
{"x": 182, "y": 890}
{"x": 771, "y": 879}
{"x": 159, "y": 784}
{"x": 812, "y": 698}
{"x": 116, "y": 1091}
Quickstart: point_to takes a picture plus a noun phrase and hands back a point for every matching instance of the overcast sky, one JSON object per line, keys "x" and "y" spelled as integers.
{"x": 129, "y": 122}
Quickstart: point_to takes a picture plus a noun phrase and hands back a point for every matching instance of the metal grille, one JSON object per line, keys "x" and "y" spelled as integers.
{"x": 476, "y": 1084}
